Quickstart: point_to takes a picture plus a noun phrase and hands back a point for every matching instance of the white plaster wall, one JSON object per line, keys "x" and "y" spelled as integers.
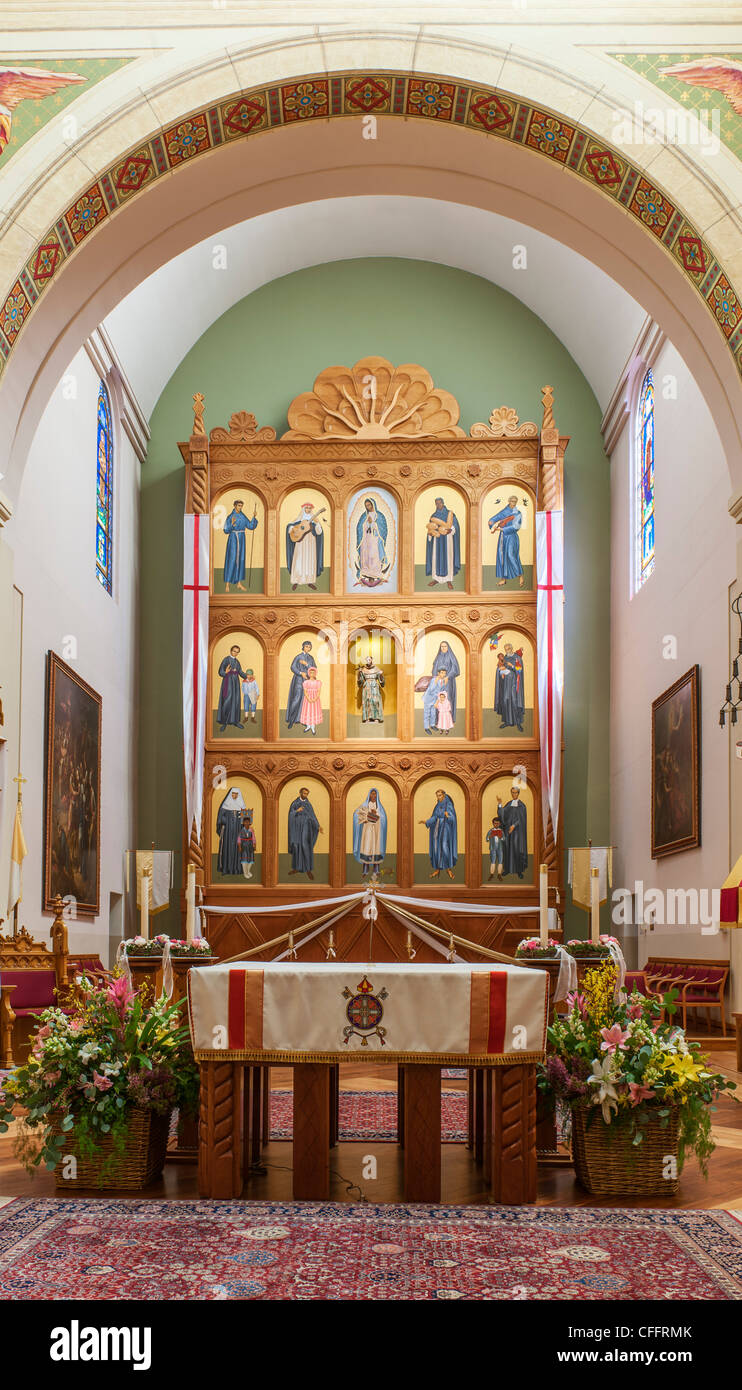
{"x": 52, "y": 535}
{"x": 686, "y": 596}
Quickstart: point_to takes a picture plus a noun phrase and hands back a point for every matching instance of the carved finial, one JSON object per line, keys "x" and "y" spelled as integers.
{"x": 547, "y": 396}
{"x": 198, "y": 414}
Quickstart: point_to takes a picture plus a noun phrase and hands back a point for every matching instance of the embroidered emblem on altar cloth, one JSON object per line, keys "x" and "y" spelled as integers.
{"x": 364, "y": 1013}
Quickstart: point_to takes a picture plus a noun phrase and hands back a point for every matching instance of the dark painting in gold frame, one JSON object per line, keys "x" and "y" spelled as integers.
{"x": 676, "y": 767}
{"x": 71, "y": 790}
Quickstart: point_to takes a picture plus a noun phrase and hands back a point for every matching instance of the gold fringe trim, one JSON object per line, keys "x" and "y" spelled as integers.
{"x": 434, "y": 1059}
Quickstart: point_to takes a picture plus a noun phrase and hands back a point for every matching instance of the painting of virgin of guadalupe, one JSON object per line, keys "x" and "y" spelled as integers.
{"x": 372, "y": 542}
{"x": 371, "y": 831}
{"x": 676, "y": 767}
{"x": 71, "y": 790}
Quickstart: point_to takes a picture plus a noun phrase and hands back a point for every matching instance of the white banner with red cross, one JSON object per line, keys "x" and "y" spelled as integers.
{"x": 550, "y": 638}
{"x": 195, "y": 654}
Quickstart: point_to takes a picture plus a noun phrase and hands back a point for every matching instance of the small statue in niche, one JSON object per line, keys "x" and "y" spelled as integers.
{"x": 370, "y": 682}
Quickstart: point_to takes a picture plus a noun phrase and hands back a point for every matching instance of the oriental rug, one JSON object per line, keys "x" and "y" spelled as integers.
{"x": 372, "y": 1115}
{"x": 141, "y": 1249}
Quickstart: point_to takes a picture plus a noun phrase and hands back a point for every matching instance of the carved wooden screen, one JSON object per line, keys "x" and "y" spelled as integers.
{"x": 384, "y": 545}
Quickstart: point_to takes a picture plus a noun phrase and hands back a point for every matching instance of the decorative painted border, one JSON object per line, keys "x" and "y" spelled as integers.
{"x": 355, "y": 94}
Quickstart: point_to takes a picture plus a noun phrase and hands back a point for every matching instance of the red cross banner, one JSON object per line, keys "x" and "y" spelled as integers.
{"x": 550, "y": 640}
{"x": 195, "y": 654}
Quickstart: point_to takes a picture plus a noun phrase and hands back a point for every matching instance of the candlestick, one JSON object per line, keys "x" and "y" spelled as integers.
{"x": 543, "y": 905}
{"x": 594, "y": 906}
{"x": 144, "y": 919}
{"x": 191, "y": 902}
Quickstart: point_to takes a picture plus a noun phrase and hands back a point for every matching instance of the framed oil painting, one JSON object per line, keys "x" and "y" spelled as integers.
{"x": 71, "y": 790}
{"x": 676, "y": 767}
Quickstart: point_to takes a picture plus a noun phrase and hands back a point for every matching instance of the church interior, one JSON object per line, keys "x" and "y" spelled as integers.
{"x": 370, "y": 653}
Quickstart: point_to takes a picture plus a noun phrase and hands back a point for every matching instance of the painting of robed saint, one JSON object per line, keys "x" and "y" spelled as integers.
{"x": 72, "y": 789}
{"x": 676, "y": 767}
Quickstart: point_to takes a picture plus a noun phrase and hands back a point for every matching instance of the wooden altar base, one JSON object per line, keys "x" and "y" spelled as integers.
{"x": 232, "y": 1129}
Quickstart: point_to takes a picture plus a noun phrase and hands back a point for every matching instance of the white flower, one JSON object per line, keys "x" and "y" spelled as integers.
{"x": 88, "y": 1051}
{"x": 603, "y": 1078}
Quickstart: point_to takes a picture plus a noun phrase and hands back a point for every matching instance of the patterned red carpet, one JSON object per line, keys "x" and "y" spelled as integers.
{"x": 132, "y": 1249}
{"x": 366, "y": 1115}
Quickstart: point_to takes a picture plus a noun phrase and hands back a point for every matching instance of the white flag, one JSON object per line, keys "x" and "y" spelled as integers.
{"x": 550, "y": 635}
{"x": 195, "y": 651}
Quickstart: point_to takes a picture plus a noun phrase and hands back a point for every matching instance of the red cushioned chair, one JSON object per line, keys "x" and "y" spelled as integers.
{"x": 705, "y": 990}
{"x": 30, "y": 978}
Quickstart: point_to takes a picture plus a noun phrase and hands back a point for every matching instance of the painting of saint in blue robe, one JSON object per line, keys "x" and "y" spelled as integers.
{"x": 443, "y": 849}
{"x": 514, "y": 820}
{"x": 229, "y": 709}
{"x": 234, "y": 560}
{"x": 228, "y": 828}
{"x": 369, "y": 833}
{"x": 446, "y": 660}
{"x": 506, "y": 524}
{"x": 443, "y": 546}
{"x": 371, "y": 562}
{"x": 304, "y": 830}
{"x": 300, "y": 667}
{"x": 305, "y": 547}
{"x": 509, "y": 696}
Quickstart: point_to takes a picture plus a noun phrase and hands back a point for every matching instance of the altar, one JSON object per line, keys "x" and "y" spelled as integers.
{"x": 313, "y": 1016}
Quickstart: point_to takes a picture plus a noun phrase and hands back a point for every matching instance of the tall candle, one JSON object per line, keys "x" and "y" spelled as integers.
{"x": 191, "y": 902}
{"x": 594, "y": 906}
{"x": 144, "y": 919}
{"x": 543, "y": 905}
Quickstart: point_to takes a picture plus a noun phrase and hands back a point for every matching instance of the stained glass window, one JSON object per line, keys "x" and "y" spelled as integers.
{"x": 644, "y": 440}
{"x": 104, "y": 494}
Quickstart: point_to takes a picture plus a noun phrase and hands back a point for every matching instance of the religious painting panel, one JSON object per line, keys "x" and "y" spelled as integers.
{"x": 237, "y": 687}
{"x": 304, "y": 831}
{"x": 238, "y": 542}
{"x": 371, "y": 831}
{"x": 372, "y": 541}
{"x": 508, "y": 669}
{"x": 441, "y": 685}
{"x": 676, "y": 767}
{"x": 71, "y": 790}
{"x": 237, "y": 832}
{"x": 440, "y": 530}
{"x": 305, "y": 542}
{"x": 371, "y": 684}
{"x": 508, "y": 832}
{"x": 304, "y": 685}
{"x": 508, "y": 523}
{"x": 439, "y": 838}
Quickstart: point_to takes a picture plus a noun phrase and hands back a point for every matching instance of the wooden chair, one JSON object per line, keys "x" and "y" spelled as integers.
{"x": 32, "y": 978}
{"x": 700, "y": 984}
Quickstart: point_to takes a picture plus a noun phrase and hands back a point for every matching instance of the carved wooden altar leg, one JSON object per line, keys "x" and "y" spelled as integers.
{"x": 514, "y": 1174}
{"x": 479, "y": 1114}
{"x": 7, "y": 1019}
{"x": 487, "y": 1114}
{"x": 247, "y": 1119}
{"x": 422, "y": 1133}
{"x": 266, "y": 1128}
{"x": 257, "y": 1114}
{"x": 334, "y": 1105}
{"x": 470, "y": 1077}
{"x": 219, "y": 1131}
{"x": 311, "y": 1131}
{"x": 400, "y": 1107}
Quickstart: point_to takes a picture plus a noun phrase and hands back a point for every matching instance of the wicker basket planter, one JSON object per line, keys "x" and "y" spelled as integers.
{"x": 136, "y": 1166}
{"x": 609, "y": 1165}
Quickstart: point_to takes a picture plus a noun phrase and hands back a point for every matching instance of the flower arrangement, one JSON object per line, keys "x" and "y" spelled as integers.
{"x": 578, "y": 947}
{"x": 154, "y": 946}
{"x": 530, "y": 948}
{"x": 618, "y": 1061}
{"x": 89, "y": 1067}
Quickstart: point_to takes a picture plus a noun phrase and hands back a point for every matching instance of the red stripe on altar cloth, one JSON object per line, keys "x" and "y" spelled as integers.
{"x": 498, "y": 1000}
{"x": 236, "y": 1010}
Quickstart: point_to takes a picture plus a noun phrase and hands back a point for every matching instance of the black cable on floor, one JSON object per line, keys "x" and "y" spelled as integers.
{"x": 260, "y": 1170}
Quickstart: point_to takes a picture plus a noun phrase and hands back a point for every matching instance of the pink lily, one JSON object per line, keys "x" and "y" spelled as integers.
{"x": 120, "y": 995}
{"x": 101, "y": 1083}
{"x": 613, "y": 1037}
{"x": 636, "y": 1010}
{"x": 639, "y": 1092}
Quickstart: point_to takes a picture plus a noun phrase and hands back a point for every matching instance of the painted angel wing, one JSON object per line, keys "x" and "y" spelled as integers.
{"x": 21, "y": 84}
{"x": 720, "y": 74}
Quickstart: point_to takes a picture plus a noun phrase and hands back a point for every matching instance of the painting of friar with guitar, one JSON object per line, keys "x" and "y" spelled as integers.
{"x": 305, "y": 547}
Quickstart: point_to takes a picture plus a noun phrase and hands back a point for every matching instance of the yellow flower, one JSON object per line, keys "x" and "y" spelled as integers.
{"x": 598, "y": 989}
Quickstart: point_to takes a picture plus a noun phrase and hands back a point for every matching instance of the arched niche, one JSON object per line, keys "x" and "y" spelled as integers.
{"x": 518, "y": 867}
{"x": 372, "y": 541}
{"x": 440, "y": 539}
{"x": 299, "y": 652}
{"x": 439, "y": 839}
{"x": 508, "y": 681}
{"x": 440, "y": 650}
{"x": 368, "y": 696}
{"x": 305, "y": 541}
{"x": 233, "y": 859}
{"x": 303, "y": 831}
{"x": 238, "y": 542}
{"x": 236, "y": 684}
{"x": 508, "y": 526}
{"x": 371, "y": 830}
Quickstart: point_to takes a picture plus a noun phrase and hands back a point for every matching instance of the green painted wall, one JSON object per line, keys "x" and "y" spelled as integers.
{"x": 476, "y": 341}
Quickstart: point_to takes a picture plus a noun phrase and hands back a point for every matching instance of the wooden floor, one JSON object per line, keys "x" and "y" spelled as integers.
{"x": 462, "y": 1180}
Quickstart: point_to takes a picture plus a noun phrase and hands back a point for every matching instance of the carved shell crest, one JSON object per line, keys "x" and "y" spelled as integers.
{"x": 374, "y": 400}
